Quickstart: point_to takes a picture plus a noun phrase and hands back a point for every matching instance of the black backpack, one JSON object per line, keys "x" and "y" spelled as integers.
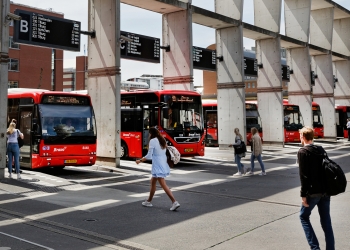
{"x": 335, "y": 178}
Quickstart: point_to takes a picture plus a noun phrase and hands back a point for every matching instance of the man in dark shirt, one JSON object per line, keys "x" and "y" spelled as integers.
{"x": 312, "y": 178}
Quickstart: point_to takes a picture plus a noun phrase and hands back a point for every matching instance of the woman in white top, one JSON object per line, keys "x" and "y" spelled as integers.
{"x": 13, "y": 148}
{"x": 160, "y": 167}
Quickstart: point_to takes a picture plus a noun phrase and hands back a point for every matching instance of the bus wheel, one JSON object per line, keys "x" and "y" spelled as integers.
{"x": 124, "y": 151}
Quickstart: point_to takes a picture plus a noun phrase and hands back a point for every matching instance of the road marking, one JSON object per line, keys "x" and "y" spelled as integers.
{"x": 30, "y": 242}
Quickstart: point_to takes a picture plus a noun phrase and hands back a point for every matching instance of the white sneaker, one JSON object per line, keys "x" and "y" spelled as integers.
{"x": 19, "y": 176}
{"x": 245, "y": 169}
{"x": 147, "y": 204}
{"x": 10, "y": 176}
{"x": 238, "y": 174}
{"x": 175, "y": 206}
{"x": 262, "y": 173}
{"x": 249, "y": 173}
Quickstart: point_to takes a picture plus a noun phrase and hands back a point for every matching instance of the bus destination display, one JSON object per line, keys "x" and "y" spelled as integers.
{"x": 142, "y": 48}
{"x": 204, "y": 59}
{"x": 47, "y": 31}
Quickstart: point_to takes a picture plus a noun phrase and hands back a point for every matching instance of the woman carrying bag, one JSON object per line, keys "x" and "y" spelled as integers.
{"x": 160, "y": 167}
{"x": 238, "y": 155}
{"x": 13, "y": 148}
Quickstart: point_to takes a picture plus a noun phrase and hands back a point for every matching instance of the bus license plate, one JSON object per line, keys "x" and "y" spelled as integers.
{"x": 296, "y": 139}
{"x": 187, "y": 150}
{"x": 70, "y": 161}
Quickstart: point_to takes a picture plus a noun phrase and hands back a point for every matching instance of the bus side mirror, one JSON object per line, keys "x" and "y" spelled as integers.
{"x": 166, "y": 113}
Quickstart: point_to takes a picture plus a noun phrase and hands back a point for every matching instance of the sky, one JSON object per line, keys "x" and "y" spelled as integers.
{"x": 146, "y": 23}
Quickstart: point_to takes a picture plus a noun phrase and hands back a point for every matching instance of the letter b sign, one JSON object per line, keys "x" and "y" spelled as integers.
{"x": 23, "y": 27}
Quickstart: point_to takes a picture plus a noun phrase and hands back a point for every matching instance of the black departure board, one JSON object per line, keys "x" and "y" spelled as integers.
{"x": 142, "y": 48}
{"x": 285, "y": 73}
{"x": 204, "y": 59}
{"x": 47, "y": 31}
{"x": 250, "y": 67}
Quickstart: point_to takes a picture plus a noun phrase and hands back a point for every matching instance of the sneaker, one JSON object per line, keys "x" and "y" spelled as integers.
{"x": 249, "y": 173}
{"x": 238, "y": 174}
{"x": 147, "y": 204}
{"x": 245, "y": 169}
{"x": 19, "y": 176}
{"x": 10, "y": 176}
{"x": 175, "y": 206}
{"x": 262, "y": 173}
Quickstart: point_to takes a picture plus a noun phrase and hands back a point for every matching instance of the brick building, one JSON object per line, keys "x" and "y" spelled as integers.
{"x": 76, "y": 79}
{"x": 33, "y": 66}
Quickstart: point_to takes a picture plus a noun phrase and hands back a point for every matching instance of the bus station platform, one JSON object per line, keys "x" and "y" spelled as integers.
{"x": 99, "y": 207}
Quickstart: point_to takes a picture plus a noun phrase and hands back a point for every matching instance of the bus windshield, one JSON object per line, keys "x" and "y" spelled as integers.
{"x": 318, "y": 120}
{"x": 182, "y": 113}
{"x": 293, "y": 121}
{"x": 67, "y": 122}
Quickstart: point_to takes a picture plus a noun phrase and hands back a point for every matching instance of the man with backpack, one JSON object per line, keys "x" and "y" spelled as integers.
{"x": 313, "y": 189}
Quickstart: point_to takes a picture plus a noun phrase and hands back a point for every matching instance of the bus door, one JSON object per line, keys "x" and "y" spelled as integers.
{"x": 340, "y": 118}
{"x": 149, "y": 120}
{"x": 211, "y": 125}
{"x": 25, "y": 115}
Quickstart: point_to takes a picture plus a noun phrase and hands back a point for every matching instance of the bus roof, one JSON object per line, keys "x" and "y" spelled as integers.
{"x": 209, "y": 102}
{"x": 164, "y": 92}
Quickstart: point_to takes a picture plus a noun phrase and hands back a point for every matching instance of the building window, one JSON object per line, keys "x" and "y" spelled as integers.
{"x": 248, "y": 85}
{"x": 12, "y": 44}
{"x": 286, "y": 84}
{"x": 13, "y": 65}
{"x": 253, "y": 85}
{"x": 12, "y": 84}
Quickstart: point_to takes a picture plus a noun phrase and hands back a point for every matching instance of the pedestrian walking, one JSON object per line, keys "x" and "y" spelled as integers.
{"x": 13, "y": 148}
{"x": 160, "y": 167}
{"x": 313, "y": 190}
{"x": 348, "y": 127}
{"x": 238, "y": 156}
{"x": 256, "y": 152}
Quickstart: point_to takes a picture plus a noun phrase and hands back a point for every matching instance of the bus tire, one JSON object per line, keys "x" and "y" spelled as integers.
{"x": 124, "y": 151}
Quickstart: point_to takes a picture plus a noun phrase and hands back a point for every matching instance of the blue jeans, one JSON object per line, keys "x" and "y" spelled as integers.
{"x": 252, "y": 158}
{"x": 13, "y": 151}
{"x": 323, "y": 204}
{"x": 239, "y": 164}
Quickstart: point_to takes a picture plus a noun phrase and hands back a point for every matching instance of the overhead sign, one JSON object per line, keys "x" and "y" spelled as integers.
{"x": 142, "y": 48}
{"x": 204, "y": 59}
{"x": 250, "y": 67}
{"x": 285, "y": 73}
{"x": 47, "y": 31}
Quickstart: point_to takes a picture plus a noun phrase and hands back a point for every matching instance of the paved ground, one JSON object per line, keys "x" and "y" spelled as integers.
{"x": 99, "y": 207}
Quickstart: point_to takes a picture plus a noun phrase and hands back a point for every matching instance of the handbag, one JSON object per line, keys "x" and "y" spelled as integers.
{"x": 240, "y": 149}
{"x": 19, "y": 140}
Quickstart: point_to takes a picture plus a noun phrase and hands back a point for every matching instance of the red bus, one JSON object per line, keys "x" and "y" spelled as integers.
{"x": 49, "y": 140}
{"x": 177, "y": 114}
{"x": 342, "y": 113}
{"x": 317, "y": 121}
{"x": 293, "y": 121}
{"x": 210, "y": 114}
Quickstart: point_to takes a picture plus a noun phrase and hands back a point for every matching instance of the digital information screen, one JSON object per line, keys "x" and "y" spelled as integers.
{"x": 250, "y": 67}
{"x": 285, "y": 73}
{"x": 204, "y": 59}
{"x": 142, "y": 48}
{"x": 47, "y": 31}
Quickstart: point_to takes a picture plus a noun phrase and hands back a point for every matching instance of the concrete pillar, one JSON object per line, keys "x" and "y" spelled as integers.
{"x": 299, "y": 87}
{"x": 323, "y": 92}
{"x": 230, "y": 75}
{"x": 4, "y": 49}
{"x": 269, "y": 91}
{"x": 267, "y": 15}
{"x": 342, "y": 89}
{"x": 321, "y": 34}
{"x": 177, "y": 63}
{"x": 341, "y": 69}
{"x": 297, "y": 24}
{"x": 104, "y": 76}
